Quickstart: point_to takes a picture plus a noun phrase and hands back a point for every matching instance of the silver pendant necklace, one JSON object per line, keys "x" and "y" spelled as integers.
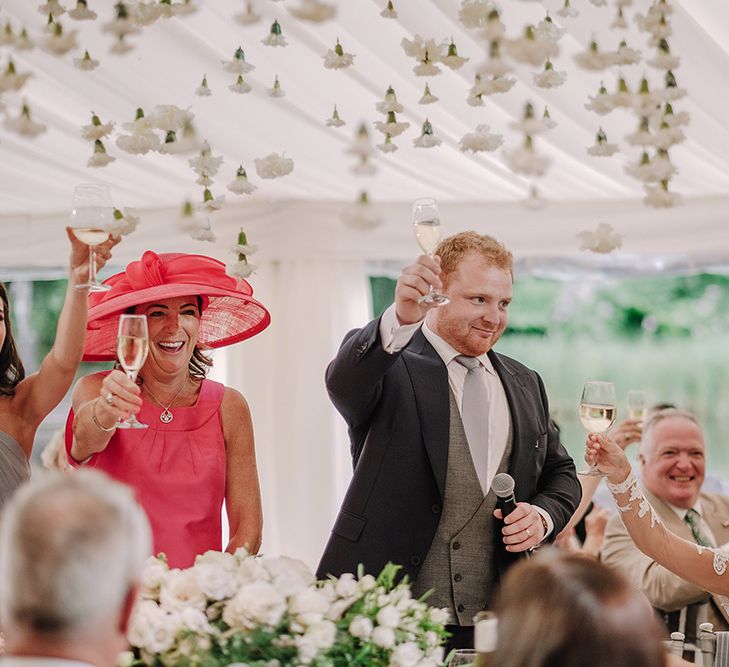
{"x": 166, "y": 416}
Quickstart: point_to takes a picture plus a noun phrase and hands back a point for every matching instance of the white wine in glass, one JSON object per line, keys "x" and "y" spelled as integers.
{"x": 91, "y": 213}
{"x": 637, "y": 404}
{"x": 597, "y": 413}
{"x": 426, "y": 225}
{"x": 131, "y": 351}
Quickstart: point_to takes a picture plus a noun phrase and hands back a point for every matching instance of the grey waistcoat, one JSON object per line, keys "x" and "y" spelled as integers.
{"x": 460, "y": 565}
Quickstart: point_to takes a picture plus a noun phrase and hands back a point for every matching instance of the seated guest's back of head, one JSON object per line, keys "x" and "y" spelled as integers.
{"x": 558, "y": 610}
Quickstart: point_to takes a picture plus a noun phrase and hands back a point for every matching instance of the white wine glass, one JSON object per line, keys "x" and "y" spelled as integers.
{"x": 462, "y": 657}
{"x": 597, "y": 413}
{"x": 637, "y": 404}
{"x": 91, "y": 213}
{"x": 426, "y": 225}
{"x": 131, "y": 351}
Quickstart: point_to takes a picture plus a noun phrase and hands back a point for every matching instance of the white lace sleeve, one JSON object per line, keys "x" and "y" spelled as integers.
{"x": 630, "y": 484}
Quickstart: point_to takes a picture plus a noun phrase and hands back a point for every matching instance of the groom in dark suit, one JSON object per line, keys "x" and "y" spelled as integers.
{"x": 424, "y": 457}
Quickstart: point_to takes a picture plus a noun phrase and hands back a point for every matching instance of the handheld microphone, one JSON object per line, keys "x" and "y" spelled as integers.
{"x": 503, "y": 487}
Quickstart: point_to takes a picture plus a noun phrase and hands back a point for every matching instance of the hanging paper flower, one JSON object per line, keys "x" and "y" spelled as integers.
{"x": 645, "y": 101}
{"x": 549, "y": 77}
{"x": 86, "y": 63}
{"x": 361, "y": 215}
{"x": 123, "y": 223}
{"x": 275, "y": 36}
{"x": 389, "y": 103}
{"x": 238, "y": 64}
{"x": 314, "y": 11}
{"x": 426, "y": 67}
{"x": 122, "y": 25}
{"x": 568, "y": 11}
{"x": 474, "y": 13}
{"x": 97, "y": 129}
{"x": 603, "y": 240}
{"x": 336, "y": 58}
{"x": 426, "y": 139}
{"x": 203, "y": 90}
{"x": 205, "y": 164}
{"x": 81, "y": 12}
{"x": 51, "y": 8}
{"x": 546, "y": 29}
{"x": 602, "y": 147}
{"x": 480, "y": 140}
{"x": 619, "y": 22}
{"x": 530, "y": 49}
{"x": 602, "y": 103}
{"x": 335, "y": 120}
{"x": 58, "y": 41}
{"x": 276, "y": 90}
{"x": 428, "y": 97}
{"x": 24, "y": 124}
{"x": 389, "y": 11}
{"x": 594, "y": 59}
{"x": 100, "y": 158}
{"x": 652, "y": 171}
{"x": 249, "y": 16}
{"x": 660, "y": 197}
{"x": 452, "y": 60}
{"x": 142, "y": 138}
{"x": 240, "y": 86}
{"x": 11, "y": 79}
{"x": 274, "y": 165}
{"x": 626, "y": 56}
{"x": 526, "y": 160}
{"x": 241, "y": 268}
{"x": 23, "y": 42}
{"x": 672, "y": 91}
{"x": 241, "y": 185}
{"x": 391, "y": 126}
{"x": 387, "y": 146}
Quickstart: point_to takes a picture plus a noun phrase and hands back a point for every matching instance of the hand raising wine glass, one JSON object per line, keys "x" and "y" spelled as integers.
{"x": 426, "y": 225}
{"x": 637, "y": 407}
{"x": 131, "y": 351}
{"x": 91, "y": 213}
{"x": 597, "y": 413}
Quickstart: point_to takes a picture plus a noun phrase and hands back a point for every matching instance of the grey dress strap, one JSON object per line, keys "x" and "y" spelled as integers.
{"x": 14, "y": 467}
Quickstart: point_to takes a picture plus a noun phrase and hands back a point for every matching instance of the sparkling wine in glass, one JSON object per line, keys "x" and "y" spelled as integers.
{"x": 637, "y": 405}
{"x": 91, "y": 213}
{"x": 131, "y": 351}
{"x": 426, "y": 225}
{"x": 597, "y": 413}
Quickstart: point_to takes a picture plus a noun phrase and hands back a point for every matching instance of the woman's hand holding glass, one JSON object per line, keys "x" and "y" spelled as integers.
{"x": 603, "y": 453}
{"x": 80, "y": 257}
{"x": 119, "y": 397}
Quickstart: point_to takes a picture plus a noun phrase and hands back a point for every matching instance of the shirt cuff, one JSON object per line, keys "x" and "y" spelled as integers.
{"x": 550, "y": 524}
{"x": 395, "y": 336}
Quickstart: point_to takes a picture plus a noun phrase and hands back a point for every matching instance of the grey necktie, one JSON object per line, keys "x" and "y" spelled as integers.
{"x": 475, "y": 416}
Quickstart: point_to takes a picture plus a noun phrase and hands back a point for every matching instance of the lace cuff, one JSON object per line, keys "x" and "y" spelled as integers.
{"x": 623, "y": 486}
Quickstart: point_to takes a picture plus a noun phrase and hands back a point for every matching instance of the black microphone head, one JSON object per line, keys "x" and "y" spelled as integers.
{"x": 503, "y": 485}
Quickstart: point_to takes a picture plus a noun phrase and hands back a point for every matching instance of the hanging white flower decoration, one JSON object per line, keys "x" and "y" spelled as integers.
{"x": 364, "y": 167}
{"x": 626, "y": 55}
{"x": 52, "y": 7}
{"x": 549, "y": 77}
{"x": 238, "y": 64}
{"x": 622, "y": 97}
{"x": 203, "y": 90}
{"x": 188, "y": 143}
{"x": 645, "y": 101}
{"x": 100, "y": 157}
{"x": 547, "y": 120}
{"x": 389, "y": 103}
{"x": 24, "y": 125}
{"x": 659, "y": 196}
{"x": 59, "y": 42}
{"x": 672, "y": 119}
{"x": 249, "y": 16}
{"x": 667, "y": 136}
{"x": 426, "y": 139}
{"x": 602, "y": 103}
{"x": 97, "y": 129}
{"x": 86, "y": 62}
{"x": 428, "y": 97}
{"x": 210, "y": 202}
{"x": 276, "y": 90}
{"x": 534, "y": 200}
{"x": 240, "y": 86}
{"x": 391, "y": 126}
{"x": 602, "y": 147}
{"x": 619, "y": 22}
{"x": 426, "y": 67}
{"x": 568, "y": 11}
{"x": 142, "y": 138}
{"x": 672, "y": 91}
{"x": 494, "y": 29}
{"x": 168, "y": 117}
{"x": 656, "y": 170}
{"x": 594, "y": 59}
{"x": 123, "y": 24}
{"x": 494, "y": 85}
{"x": 418, "y": 47}
{"x": 452, "y": 60}
{"x": 241, "y": 269}
{"x": 361, "y": 214}
{"x": 205, "y": 163}
{"x": 314, "y": 11}
{"x": 530, "y": 124}
{"x": 495, "y": 65}
{"x": 474, "y": 99}
{"x": 275, "y": 37}
{"x": 474, "y": 13}
{"x": 124, "y": 223}
{"x": 362, "y": 145}
{"x": 336, "y": 58}
{"x": 145, "y": 13}
{"x": 81, "y": 12}
{"x": 335, "y": 120}
{"x": 530, "y": 49}
{"x": 189, "y": 218}
{"x": 389, "y": 11}
{"x": 23, "y": 42}
{"x": 663, "y": 58}
{"x": 387, "y": 146}
{"x": 241, "y": 185}
{"x": 205, "y": 233}
{"x": 274, "y": 165}
{"x": 526, "y": 160}
{"x": 547, "y": 29}
{"x": 170, "y": 9}
{"x": 603, "y": 240}
{"x": 11, "y": 79}
{"x": 7, "y": 36}
{"x": 480, "y": 140}
{"x": 121, "y": 46}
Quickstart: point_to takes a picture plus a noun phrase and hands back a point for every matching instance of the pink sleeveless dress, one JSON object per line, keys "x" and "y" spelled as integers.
{"x": 177, "y": 471}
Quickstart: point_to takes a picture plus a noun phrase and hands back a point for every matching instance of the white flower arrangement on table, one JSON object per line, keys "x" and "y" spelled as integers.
{"x": 24, "y": 125}
{"x": 11, "y": 79}
{"x": 274, "y": 165}
{"x": 81, "y": 12}
{"x": 241, "y": 185}
{"x": 275, "y": 36}
{"x": 337, "y": 58}
{"x": 314, "y": 11}
{"x": 86, "y": 62}
{"x": 602, "y": 241}
{"x": 240, "y": 609}
{"x": 602, "y": 147}
{"x": 480, "y": 140}
{"x": 427, "y": 139}
{"x": 241, "y": 268}
{"x": 335, "y": 120}
{"x": 389, "y": 12}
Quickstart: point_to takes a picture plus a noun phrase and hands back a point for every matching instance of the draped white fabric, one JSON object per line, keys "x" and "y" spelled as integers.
{"x": 301, "y": 442}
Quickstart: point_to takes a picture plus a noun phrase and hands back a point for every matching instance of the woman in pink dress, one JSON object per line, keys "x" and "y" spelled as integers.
{"x": 198, "y": 448}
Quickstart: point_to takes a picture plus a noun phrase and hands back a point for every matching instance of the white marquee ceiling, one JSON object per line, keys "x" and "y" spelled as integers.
{"x": 170, "y": 57}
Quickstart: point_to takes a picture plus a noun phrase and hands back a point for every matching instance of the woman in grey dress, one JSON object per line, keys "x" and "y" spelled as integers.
{"x": 26, "y": 401}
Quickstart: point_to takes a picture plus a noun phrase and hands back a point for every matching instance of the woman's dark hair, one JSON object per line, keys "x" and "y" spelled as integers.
{"x": 12, "y": 370}
{"x": 560, "y": 610}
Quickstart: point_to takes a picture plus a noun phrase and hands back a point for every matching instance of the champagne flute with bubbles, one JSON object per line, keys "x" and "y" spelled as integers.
{"x": 91, "y": 213}
{"x": 597, "y": 413}
{"x": 131, "y": 351}
{"x": 426, "y": 225}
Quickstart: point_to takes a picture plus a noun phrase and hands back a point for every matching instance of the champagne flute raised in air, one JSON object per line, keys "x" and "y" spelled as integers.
{"x": 597, "y": 413}
{"x": 426, "y": 225}
{"x": 91, "y": 213}
{"x": 637, "y": 407}
{"x": 131, "y": 351}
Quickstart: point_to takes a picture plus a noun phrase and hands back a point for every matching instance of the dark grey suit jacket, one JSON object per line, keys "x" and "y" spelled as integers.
{"x": 397, "y": 409}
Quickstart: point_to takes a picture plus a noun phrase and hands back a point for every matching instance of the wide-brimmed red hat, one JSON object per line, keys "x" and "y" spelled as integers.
{"x": 229, "y": 313}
